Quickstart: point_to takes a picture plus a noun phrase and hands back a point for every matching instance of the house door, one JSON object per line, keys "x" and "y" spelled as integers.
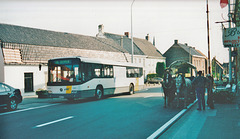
{"x": 28, "y": 82}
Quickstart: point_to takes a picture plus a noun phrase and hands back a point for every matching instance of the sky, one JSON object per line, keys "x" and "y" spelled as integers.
{"x": 166, "y": 20}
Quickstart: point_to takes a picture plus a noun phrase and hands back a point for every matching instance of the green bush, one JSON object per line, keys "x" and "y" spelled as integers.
{"x": 160, "y": 69}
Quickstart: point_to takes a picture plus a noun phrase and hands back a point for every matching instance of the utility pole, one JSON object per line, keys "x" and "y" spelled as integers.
{"x": 230, "y": 48}
{"x": 208, "y": 39}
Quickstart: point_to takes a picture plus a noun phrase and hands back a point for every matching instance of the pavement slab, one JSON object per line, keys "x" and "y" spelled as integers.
{"x": 223, "y": 122}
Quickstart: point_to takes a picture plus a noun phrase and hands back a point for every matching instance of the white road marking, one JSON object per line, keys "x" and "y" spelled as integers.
{"x": 161, "y": 129}
{"x": 6, "y": 113}
{"x": 154, "y": 95}
{"x": 59, "y": 120}
{"x": 170, "y": 122}
{"x": 148, "y": 96}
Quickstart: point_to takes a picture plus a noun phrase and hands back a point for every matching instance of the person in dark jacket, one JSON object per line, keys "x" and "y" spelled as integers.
{"x": 199, "y": 84}
{"x": 210, "y": 92}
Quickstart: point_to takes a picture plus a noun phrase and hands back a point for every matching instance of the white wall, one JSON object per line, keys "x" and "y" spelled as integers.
{"x": 14, "y": 76}
{"x": 1, "y": 66}
{"x": 151, "y": 64}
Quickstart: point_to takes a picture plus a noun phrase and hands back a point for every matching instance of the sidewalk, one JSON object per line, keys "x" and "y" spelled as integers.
{"x": 29, "y": 95}
{"x": 223, "y": 122}
{"x": 152, "y": 85}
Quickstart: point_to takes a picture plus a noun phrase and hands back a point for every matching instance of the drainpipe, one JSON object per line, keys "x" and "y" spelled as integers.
{"x": 2, "y": 63}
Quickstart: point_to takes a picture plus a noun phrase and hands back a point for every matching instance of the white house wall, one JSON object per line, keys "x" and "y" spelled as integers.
{"x": 151, "y": 65}
{"x": 14, "y": 76}
{"x": 199, "y": 63}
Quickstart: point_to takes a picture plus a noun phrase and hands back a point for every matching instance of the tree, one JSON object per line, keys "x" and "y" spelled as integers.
{"x": 160, "y": 68}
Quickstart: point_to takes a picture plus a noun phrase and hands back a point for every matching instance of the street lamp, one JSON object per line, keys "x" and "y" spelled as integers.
{"x": 208, "y": 40}
{"x": 132, "y": 31}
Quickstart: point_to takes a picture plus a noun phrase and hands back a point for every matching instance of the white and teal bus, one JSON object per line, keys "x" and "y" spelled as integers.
{"x": 81, "y": 77}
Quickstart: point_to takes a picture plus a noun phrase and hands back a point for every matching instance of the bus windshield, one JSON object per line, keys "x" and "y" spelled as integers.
{"x": 64, "y": 71}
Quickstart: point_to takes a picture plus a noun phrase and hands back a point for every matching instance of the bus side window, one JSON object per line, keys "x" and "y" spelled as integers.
{"x": 108, "y": 71}
{"x": 89, "y": 71}
{"x": 111, "y": 71}
{"x": 133, "y": 72}
{"x": 86, "y": 71}
{"x": 97, "y": 68}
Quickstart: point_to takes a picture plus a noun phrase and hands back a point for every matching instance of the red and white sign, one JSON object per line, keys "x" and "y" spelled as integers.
{"x": 223, "y": 3}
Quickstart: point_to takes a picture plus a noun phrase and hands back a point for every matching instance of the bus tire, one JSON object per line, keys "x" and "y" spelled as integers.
{"x": 99, "y": 92}
{"x": 131, "y": 89}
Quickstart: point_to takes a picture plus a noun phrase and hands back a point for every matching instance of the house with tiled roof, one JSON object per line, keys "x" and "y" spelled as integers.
{"x": 153, "y": 55}
{"x": 144, "y": 52}
{"x": 217, "y": 69}
{"x": 25, "y": 51}
{"x": 187, "y": 53}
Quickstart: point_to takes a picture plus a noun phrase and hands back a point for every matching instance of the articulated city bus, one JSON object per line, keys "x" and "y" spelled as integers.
{"x": 81, "y": 77}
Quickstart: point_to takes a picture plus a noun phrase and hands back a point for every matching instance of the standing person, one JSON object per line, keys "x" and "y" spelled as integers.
{"x": 210, "y": 93}
{"x": 199, "y": 84}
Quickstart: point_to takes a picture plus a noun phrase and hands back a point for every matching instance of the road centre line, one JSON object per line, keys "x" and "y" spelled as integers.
{"x": 59, "y": 120}
{"x": 6, "y": 113}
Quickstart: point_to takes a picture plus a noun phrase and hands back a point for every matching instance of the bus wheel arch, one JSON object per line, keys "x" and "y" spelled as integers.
{"x": 131, "y": 89}
{"x": 99, "y": 92}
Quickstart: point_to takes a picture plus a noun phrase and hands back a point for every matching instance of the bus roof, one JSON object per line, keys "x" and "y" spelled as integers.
{"x": 101, "y": 61}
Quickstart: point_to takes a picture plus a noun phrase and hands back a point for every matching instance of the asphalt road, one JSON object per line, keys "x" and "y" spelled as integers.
{"x": 119, "y": 116}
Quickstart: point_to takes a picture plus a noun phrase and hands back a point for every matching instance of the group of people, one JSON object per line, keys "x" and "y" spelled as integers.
{"x": 199, "y": 84}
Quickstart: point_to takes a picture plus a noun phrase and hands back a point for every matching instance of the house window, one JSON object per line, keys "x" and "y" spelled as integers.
{"x": 28, "y": 82}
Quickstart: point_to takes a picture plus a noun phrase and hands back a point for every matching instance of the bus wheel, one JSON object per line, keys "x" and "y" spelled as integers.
{"x": 99, "y": 93}
{"x": 131, "y": 89}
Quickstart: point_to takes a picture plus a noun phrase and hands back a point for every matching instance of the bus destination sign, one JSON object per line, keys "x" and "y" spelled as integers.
{"x": 63, "y": 62}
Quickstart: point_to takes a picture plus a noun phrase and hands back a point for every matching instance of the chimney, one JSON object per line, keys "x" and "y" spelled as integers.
{"x": 186, "y": 44}
{"x": 175, "y": 41}
{"x": 126, "y": 34}
{"x": 147, "y": 37}
{"x": 100, "y": 31}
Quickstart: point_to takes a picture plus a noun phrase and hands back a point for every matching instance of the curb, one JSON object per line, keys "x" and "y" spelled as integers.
{"x": 30, "y": 96}
{"x": 167, "y": 125}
